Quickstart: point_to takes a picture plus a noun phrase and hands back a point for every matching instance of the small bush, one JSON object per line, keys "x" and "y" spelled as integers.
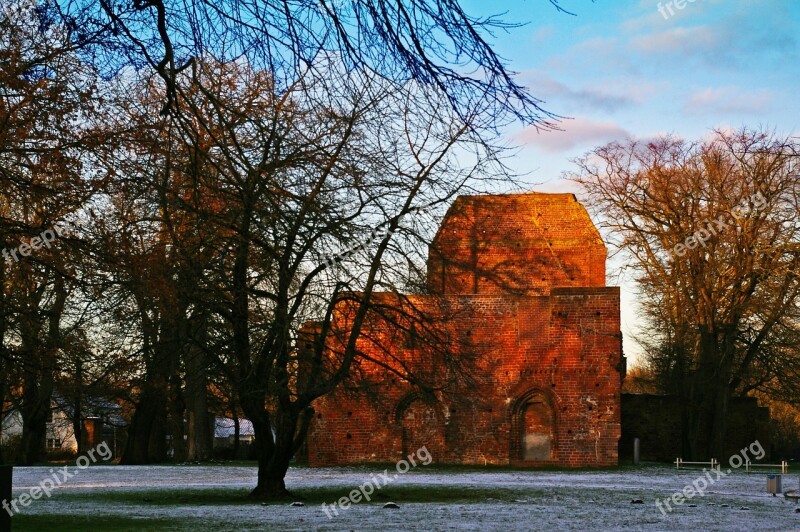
{"x": 60, "y": 455}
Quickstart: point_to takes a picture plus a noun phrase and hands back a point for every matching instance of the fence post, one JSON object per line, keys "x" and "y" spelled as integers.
{"x": 6, "y": 475}
{"x": 636, "y": 451}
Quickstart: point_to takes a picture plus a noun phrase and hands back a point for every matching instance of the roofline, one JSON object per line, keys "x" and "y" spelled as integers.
{"x": 462, "y": 197}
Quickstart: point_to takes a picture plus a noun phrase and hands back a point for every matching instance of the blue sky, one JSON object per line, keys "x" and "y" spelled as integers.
{"x": 621, "y": 68}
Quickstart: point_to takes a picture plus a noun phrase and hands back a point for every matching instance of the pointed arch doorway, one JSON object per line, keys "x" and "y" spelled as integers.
{"x": 533, "y": 434}
{"x": 421, "y": 427}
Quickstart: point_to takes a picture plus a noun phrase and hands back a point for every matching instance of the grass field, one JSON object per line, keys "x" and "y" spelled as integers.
{"x": 430, "y": 498}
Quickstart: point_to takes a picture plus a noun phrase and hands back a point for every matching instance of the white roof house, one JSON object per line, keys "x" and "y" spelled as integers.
{"x": 224, "y": 428}
{"x": 60, "y": 432}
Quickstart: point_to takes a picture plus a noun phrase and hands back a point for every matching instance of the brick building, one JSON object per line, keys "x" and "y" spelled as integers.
{"x": 529, "y": 362}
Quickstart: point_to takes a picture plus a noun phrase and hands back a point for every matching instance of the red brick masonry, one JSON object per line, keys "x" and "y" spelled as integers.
{"x": 517, "y": 283}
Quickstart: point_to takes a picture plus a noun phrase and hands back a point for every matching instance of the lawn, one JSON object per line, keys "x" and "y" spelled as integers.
{"x": 429, "y": 498}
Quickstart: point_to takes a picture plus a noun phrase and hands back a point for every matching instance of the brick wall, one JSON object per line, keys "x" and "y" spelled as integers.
{"x": 515, "y": 244}
{"x": 538, "y": 342}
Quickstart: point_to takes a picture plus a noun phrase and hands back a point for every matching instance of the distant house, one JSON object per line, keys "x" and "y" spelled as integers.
{"x": 101, "y": 422}
{"x": 225, "y": 439}
{"x": 225, "y": 432}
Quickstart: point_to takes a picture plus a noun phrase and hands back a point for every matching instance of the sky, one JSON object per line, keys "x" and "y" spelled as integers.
{"x": 625, "y": 68}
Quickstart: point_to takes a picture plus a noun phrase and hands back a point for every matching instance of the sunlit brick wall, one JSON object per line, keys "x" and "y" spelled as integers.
{"x": 516, "y": 243}
{"x": 559, "y": 345}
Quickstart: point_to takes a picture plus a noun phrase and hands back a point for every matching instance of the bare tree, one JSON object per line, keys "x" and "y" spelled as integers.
{"x": 146, "y": 298}
{"x": 434, "y": 43}
{"x": 711, "y": 231}
{"x": 285, "y": 148}
{"x": 309, "y": 198}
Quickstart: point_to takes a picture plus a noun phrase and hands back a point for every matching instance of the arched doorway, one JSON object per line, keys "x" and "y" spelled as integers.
{"x": 533, "y": 433}
{"x": 537, "y": 437}
{"x": 422, "y": 427}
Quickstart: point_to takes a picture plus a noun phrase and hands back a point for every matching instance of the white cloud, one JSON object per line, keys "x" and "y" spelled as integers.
{"x": 543, "y": 34}
{"x": 594, "y": 54}
{"x": 607, "y": 96}
{"x": 575, "y": 132}
{"x": 729, "y": 100}
{"x": 709, "y": 33}
{"x": 679, "y": 40}
{"x": 735, "y": 40}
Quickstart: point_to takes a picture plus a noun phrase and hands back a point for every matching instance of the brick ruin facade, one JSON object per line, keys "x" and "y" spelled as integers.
{"x": 516, "y": 289}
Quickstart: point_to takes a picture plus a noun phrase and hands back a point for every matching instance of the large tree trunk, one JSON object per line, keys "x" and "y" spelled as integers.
{"x": 271, "y": 452}
{"x": 200, "y": 441}
{"x": 77, "y": 414}
{"x": 4, "y": 354}
{"x": 146, "y": 442}
{"x": 201, "y": 432}
{"x": 723, "y": 391}
{"x": 37, "y": 392}
{"x": 696, "y": 404}
{"x": 35, "y": 412}
{"x": 237, "y": 431}
{"x": 273, "y": 462}
{"x": 177, "y": 412}
{"x": 701, "y": 400}
{"x": 708, "y": 398}
{"x": 39, "y": 359}
{"x": 275, "y": 451}
{"x": 3, "y": 378}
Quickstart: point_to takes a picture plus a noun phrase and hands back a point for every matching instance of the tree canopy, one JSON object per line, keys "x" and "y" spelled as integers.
{"x": 711, "y": 231}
